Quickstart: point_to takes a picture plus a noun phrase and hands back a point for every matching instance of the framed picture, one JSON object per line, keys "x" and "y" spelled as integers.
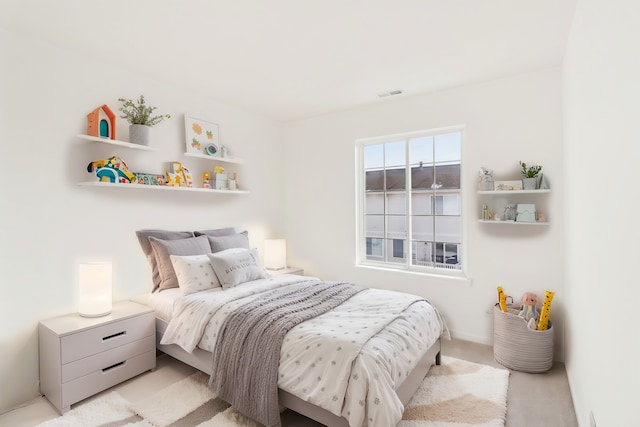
{"x": 201, "y": 137}
{"x": 507, "y": 185}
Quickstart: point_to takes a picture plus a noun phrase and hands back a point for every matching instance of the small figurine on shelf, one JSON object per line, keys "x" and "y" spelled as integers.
{"x": 205, "y": 180}
{"x": 178, "y": 175}
{"x": 486, "y": 179}
{"x": 232, "y": 182}
{"x": 221, "y": 178}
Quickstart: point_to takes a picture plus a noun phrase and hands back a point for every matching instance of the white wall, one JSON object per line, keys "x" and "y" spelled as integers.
{"x": 602, "y": 148}
{"x": 48, "y": 223}
{"x": 507, "y": 120}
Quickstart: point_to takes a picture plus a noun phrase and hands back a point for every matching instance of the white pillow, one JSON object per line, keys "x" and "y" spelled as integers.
{"x": 236, "y": 266}
{"x": 194, "y": 273}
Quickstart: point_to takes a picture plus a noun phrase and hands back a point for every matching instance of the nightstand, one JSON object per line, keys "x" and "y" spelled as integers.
{"x": 81, "y": 356}
{"x": 287, "y": 270}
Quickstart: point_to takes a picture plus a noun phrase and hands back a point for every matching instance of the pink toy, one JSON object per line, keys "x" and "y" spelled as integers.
{"x": 529, "y": 301}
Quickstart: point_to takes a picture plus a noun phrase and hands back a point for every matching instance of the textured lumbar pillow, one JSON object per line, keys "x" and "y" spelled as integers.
{"x": 236, "y": 266}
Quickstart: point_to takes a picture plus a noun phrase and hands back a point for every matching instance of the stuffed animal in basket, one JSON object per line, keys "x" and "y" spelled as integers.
{"x": 529, "y": 301}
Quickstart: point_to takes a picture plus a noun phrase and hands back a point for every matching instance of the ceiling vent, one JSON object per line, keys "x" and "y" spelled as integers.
{"x": 390, "y": 93}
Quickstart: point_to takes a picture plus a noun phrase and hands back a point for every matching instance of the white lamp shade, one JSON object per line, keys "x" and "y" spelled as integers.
{"x": 95, "y": 295}
{"x": 275, "y": 254}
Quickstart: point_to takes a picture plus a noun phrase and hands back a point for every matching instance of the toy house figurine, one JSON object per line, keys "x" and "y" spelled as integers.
{"x": 101, "y": 122}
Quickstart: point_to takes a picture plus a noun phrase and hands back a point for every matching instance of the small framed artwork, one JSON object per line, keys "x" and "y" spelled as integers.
{"x": 507, "y": 185}
{"x": 201, "y": 136}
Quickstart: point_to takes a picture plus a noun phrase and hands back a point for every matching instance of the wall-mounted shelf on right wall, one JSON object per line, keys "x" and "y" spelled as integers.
{"x": 488, "y": 195}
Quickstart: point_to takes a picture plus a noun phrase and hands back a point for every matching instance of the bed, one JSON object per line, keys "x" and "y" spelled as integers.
{"x": 355, "y": 364}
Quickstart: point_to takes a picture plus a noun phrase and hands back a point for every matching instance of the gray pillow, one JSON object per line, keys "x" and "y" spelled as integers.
{"x": 143, "y": 238}
{"x": 236, "y": 266}
{"x": 163, "y": 249}
{"x": 216, "y": 232}
{"x": 220, "y": 243}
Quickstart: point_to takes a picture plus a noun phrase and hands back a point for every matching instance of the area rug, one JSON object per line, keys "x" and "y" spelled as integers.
{"x": 455, "y": 394}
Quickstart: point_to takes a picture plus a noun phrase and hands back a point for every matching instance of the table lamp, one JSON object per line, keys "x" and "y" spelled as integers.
{"x": 275, "y": 254}
{"x": 95, "y": 295}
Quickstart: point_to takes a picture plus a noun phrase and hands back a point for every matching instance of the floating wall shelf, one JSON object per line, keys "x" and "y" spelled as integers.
{"x": 158, "y": 187}
{"x": 116, "y": 142}
{"x": 216, "y": 158}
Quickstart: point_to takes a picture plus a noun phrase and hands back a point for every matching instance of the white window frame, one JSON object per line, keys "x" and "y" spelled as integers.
{"x": 361, "y": 250}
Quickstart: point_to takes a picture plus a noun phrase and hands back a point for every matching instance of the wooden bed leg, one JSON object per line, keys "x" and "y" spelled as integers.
{"x": 438, "y": 359}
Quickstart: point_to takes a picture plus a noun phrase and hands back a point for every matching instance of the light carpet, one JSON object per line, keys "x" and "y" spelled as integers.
{"x": 455, "y": 394}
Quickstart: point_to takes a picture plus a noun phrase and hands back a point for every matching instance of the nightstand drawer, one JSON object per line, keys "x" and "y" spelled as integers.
{"x": 106, "y": 337}
{"x": 83, "y": 387}
{"x": 100, "y": 361}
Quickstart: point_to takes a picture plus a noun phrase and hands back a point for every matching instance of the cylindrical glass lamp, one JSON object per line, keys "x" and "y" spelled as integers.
{"x": 95, "y": 296}
{"x": 275, "y": 254}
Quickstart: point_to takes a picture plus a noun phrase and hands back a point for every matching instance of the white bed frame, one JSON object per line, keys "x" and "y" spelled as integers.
{"x": 202, "y": 360}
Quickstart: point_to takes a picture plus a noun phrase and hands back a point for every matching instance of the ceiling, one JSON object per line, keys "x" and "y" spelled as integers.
{"x": 293, "y": 59}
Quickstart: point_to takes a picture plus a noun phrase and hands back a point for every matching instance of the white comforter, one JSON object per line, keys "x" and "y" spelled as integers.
{"x": 348, "y": 361}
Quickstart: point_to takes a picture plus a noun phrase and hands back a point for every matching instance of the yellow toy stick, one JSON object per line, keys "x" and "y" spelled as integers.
{"x": 543, "y": 323}
{"x": 502, "y": 299}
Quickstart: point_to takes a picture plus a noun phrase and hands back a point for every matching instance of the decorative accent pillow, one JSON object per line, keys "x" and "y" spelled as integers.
{"x": 163, "y": 249}
{"x": 143, "y": 238}
{"x": 216, "y": 232}
{"x": 221, "y": 243}
{"x": 194, "y": 273}
{"x": 236, "y": 266}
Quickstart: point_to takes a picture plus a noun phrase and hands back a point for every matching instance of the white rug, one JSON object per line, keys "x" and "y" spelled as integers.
{"x": 456, "y": 394}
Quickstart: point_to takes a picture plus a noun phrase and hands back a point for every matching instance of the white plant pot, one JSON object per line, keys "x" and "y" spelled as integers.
{"x": 529, "y": 183}
{"x": 139, "y": 134}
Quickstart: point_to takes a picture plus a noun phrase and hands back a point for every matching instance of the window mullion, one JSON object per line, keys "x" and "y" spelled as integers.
{"x": 408, "y": 196}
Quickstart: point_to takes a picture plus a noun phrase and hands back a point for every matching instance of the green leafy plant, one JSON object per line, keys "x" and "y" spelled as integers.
{"x": 139, "y": 113}
{"x": 531, "y": 171}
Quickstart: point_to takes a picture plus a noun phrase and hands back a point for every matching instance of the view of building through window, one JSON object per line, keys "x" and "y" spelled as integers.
{"x": 428, "y": 165}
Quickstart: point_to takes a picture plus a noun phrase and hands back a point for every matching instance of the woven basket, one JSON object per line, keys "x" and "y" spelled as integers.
{"x": 517, "y": 347}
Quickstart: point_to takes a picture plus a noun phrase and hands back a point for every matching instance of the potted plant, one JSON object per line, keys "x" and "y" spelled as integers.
{"x": 529, "y": 175}
{"x": 140, "y": 118}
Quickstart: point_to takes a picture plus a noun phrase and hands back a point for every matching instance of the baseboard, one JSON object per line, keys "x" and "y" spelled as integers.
{"x": 478, "y": 339}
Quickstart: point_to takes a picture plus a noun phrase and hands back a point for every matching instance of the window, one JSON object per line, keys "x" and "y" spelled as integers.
{"x": 409, "y": 201}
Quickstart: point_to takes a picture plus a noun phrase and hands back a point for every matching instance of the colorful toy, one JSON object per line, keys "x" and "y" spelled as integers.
{"x": 206, "y": 177}
{"x": 502, "y": 299}
{"x": 529, "y": 302}
{"x": 178, "y": 175}
{"x": 543, "y": 324}
{"x": 113, "y": 169}
{"x": 149, "y": 178}
{"x": 211, "y": 149}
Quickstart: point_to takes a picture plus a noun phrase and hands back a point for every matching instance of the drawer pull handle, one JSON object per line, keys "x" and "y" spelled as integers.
{"x": 114, "y": 335}
{"x": 113, "y": 366}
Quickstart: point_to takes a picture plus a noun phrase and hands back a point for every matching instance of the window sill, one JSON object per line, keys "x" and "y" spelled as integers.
{"x": 455, "y": 277}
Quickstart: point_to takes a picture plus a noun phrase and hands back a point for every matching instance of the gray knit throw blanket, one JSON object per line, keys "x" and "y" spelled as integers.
{"x": 247, "y": 352}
